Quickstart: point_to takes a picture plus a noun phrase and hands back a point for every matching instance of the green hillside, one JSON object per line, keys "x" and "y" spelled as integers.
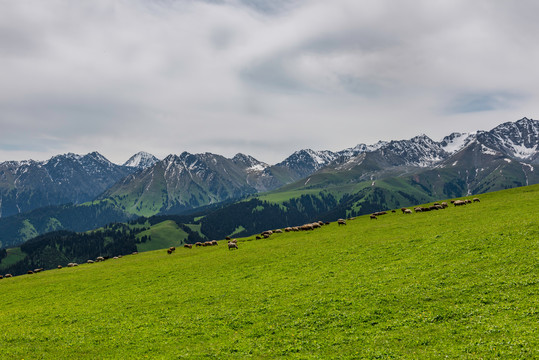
{"x": 458, "y": 283}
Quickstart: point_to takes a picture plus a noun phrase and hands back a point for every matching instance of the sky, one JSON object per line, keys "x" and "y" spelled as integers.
{"x": 264, "y": 78}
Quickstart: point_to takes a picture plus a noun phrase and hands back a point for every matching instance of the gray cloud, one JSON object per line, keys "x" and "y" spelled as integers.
{"x": 258, "y": 77}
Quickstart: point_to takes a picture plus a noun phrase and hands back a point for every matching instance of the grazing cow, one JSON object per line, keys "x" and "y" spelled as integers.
{"x": 444, "y": 204}
{"x": 418, "y": 209}
{"x": 403, "y": 209}
{"x": 232, "y": 245}
{"x": 1, "y": 276}
{"x": 189, "y": 246}
{"x": 198, "y": 243}
{"x": 30, "y": 272}
{"x": 90, "y": 261}
{"x": 468, "y": 201}
{"x": 172, "y": 248}
{"x": 227, "y": 238}
{"x": 100, "y": 258}
{"x": 8, "y": 275}
{"x": 278, "y": 231}
{"x": 373, "y": 217}
{"x": 393, "y": 211}
{"x": 459, "y": 203}
{"x": 214, "y": 242}
{"x": 59, "y": 266}
{"x": 168, "y": 252}
{"x": 452, "y": 201}
{"x": 476, "y": 200}
{"x": 134, "y": 253}
{"x": 258, "y": 237}
{"x": 341, "y": 222}
{"x": 407, "y": 211}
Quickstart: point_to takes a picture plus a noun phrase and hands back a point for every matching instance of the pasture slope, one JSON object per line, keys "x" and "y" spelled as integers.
{"x": 458, "y": 283}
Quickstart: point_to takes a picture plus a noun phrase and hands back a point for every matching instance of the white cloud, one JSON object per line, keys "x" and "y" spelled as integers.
{"x": 258, "y": 77}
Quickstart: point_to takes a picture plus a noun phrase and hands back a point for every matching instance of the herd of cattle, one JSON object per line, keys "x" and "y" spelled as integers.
{"x": 233, "y": 243}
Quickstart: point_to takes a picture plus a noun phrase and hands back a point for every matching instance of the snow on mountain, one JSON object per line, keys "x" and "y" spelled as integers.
{"x": 250, "y": 163}
{"x": 360, "y": 149}
{"x": 66, "y": 178}
{"x": 309, "y": 158}
{"x": 418, "y": 151}
{"x": 519, "y": 139}
{"x": 141, "y": 160}
{"x": 456, "y": 141}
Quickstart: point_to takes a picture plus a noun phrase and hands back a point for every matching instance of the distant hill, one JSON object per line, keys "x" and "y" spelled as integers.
{"x": 353, "y": 181}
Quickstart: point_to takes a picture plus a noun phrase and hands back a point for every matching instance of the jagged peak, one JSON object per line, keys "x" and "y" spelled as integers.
{"x": 249, "y": 161}
{"x": 141, "y": 160}
{"x": 96, "y": 156}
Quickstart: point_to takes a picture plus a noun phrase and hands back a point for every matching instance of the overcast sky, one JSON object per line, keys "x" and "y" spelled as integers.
{"x": 261, "y": 77}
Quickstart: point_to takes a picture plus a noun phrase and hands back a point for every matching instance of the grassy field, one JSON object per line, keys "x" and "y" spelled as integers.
{"x": 163, "y": 235}
{"x": 461, "y": 283}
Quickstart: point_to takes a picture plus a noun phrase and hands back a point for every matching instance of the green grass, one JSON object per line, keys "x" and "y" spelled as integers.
{"x": 13, "y": 256}
{"x": 163, "y": 235}
{"x": 461, "y": 283}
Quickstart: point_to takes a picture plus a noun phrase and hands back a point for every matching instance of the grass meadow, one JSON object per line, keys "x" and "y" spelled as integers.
{"x": 459, "y": 283}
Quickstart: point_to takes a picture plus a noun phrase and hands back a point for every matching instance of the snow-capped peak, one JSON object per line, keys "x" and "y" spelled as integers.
{"x": 141, "y": 160}
{"x": 250, "y": 162}
{"x": 455, "y": 142}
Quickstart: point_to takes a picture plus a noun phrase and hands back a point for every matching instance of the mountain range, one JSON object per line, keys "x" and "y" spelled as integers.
{"x": 404, "y": 170}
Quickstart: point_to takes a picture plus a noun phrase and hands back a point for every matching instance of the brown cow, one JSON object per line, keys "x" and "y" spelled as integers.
{"x": 189, "y": 246}
{"x": 459, "y": 203}
{"x": 341, "y": 222}
{"x": 169, "y": 251}
{"x": 232, "y": 245}
{"x": 8, "y": 275}
{"x": 198, "y": 243}
{"x": 373, "y": 217}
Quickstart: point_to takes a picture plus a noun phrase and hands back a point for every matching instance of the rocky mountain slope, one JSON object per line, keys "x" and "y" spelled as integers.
{"x": 69, "y": 178}
{"x": 362, "y": 178}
